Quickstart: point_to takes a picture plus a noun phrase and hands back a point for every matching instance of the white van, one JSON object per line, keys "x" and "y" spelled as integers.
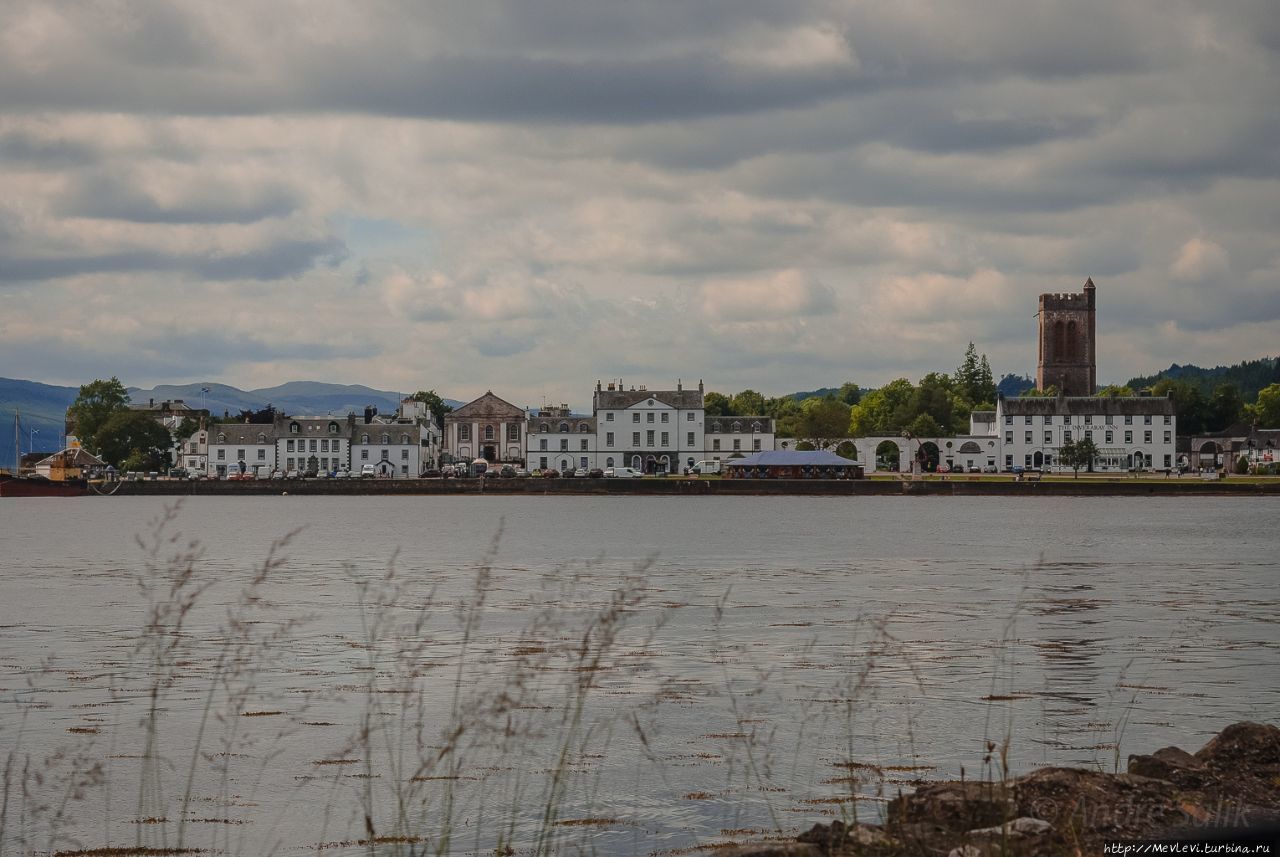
{"x": 624, "y": 472}
{"x": 706, "y": 468}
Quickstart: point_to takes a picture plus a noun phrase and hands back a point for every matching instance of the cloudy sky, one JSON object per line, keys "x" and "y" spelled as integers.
{"x": 534, "y": 194}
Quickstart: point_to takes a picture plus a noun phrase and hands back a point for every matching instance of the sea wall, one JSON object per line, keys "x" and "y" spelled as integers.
{"x": 709, "y": 487}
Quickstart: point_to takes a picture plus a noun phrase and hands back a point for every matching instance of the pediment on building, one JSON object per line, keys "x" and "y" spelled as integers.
{"x": 487, "y": 407}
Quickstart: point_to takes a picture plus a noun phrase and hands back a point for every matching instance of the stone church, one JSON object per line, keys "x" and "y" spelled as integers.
{"x": 1068, "y": 356}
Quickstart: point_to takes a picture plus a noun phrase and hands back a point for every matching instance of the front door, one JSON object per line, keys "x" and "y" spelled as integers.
{"x": 490, "y": 453}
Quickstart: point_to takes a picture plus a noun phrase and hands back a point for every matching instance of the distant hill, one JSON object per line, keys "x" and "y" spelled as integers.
{"x": 820, "y": 393}
{"x": 1249, "y": 376}
{"x": 43, "y": 406}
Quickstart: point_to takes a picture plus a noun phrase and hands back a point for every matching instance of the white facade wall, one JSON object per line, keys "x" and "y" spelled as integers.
{"x": 650, "y": 431}
{"x": 395, "y": 449}
{"x": 193, "y": 453}
{"x": 742, "y": 435}
{"x": 1125, "y": 441}
{"x": 563, "y": 443}
{"x": 231, "y": 446}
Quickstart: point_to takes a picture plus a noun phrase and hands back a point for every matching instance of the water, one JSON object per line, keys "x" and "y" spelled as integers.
{"x": 765, "y": 644}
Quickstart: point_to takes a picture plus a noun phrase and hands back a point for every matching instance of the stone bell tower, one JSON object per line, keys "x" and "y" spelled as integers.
{"x": 1068, "y": 359}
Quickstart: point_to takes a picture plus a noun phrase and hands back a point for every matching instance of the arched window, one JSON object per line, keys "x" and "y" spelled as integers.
{"x": 262, "y": 438}
{"x": 564, "y": 428}
{"x": 222, "y": 438}
{"x": 386, "y": 438}
{"x": 1073, "y": 342}
{"x": 404, "y": 438}
{"x": 1059, "y": 342}
{"x": 608, "y": 462}
{"x": 364, "y": 438}
{"x": 542, "y": 427}
{"x": 488, "y": 432}
{"x": 293, "y": 428}
{"x": 584, "y": 428}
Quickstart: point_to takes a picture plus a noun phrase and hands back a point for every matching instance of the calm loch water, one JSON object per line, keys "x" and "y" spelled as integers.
{"x": 606, "y": 675}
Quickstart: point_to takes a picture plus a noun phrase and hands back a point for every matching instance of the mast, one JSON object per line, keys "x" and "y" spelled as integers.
{"x": 17, "y": 441}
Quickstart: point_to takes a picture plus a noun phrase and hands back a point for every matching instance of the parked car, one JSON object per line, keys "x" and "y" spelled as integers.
{"x": 353, "y": 474}
{"x": 944, "y": 468}
{"x": 537, "y": 473}
{"x": 973, "y": 468}
{"x": 990, "y": 468}
{"x": 432, "y": 473}
{"x": 551, "y": 473}
{"x": 707, "y": 467}
{"x": 1017, "y": 469}
{"x": 580, "y": 473}
{"x": 595, "y": 473}
{"x": 521, "y": 473}
{"x": 623, "y": 473}
{"x": 507, "y": 471}
{"x": 368, "y": 471}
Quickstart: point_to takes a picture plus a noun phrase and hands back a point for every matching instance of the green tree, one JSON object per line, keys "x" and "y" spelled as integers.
{"x": 1190, "y": 405}
{"x": 850, "y": 393}
{"x": 1048, "y": 392}
{"x": 1115, "y": 391}
{"x": 1226, "y": 407}
{"x": 924, "y": 425}
{"x": 973, "y": 379}
{"x": 185, "y": 429}
{"x": 822, "y": 421}
{"x": 883, "y": 411}
{"x": 716, "y": 405}
{"x": 96, "y": 403}
{"x": 1077, "y": 454}
{"x": 434, "y": 403}
{"x": 786, "y": 412}
{"x": 747, "y": 403}
{"x": 1265, "y": 413}
{"x": 131, "y": 440}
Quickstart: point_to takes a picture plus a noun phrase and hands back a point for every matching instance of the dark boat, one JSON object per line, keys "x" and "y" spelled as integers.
{"x": 38, "y": 486}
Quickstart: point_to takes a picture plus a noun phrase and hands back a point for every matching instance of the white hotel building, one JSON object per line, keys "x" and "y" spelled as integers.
{"x": 1131, "y": 433}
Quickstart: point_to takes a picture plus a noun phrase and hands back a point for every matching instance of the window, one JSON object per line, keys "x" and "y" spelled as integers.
{"x": 293, "y": 428}
{"x": 1168, "y": 420}
{"x": 383, "y": 438}
{"x": 404, "y": 438}
{"x": 1168, "y": 459}
{"x": 542, "y": 445}
{"x": 582, "y": 462}
{"x": 513, "y": 431}
{"x": 608, "y": 439}
{"x": 404, "y": 455}
{"x": 464, "y": 433}
{"x": 386, "y": 455}
{"x": 337, "y": 446}
{"x": 1168, "y": 437}
{"x": 1027, "y": 437}
{"x": 1088, "y": 420}
{"x": 1048, "y": 420}
{"x": 666, "y": 417}
{"x": 222, "y": 455}
{"x": 715, "y": 427}
{"x": 563, "y": 428}
{"x": 542, "y": 427}
{"x": 262, "y": 438}
{"x": 1146, "y": 437}
{"x": 564, "y": 444}
{"x": 584, "y": 446}
{"x": 755, "y": 427}
{"x": 756, "y": 445}
{"x": 1028, "y": 419}
{"x": 1048, "y": 437}
{"x": 404, "y": 470}
{"x": 193, "y": 448}
{"x": 1008, "y": 419}
{"x": 333, "y": 428}
{"x": 542, "y": 462}
{"x": 649, "y": 437}
{"x": 240, "y": 455}
{"x": 364, "y": 455}
{"x": 1008, "y": 437}
{"x": 364, "y": 438}
{"x": 288, "y": 463}
{"x": 666, "y": 439}
{"x": 1128, "y": 437}
{"x": 1128, "y": 419}
{"x": 1008, "y": 461}
{"x": 689, "y": 442}
{"x": 262, "y": 455}
{"x": 715, "y": 444}
{"x": 635, "y": 438}
{"x": 635, "y": 418}
{"x": 1146, "y": 419}
{"x": 1026, "y": 460}
{"x": 737, "y": 444}
{"x": 608, "y": 462}
{"x": 649, "y": 416}
{"x": 324, "y": 445}
{"x": 1088, "y": 435}
{"x": 311, "y": 447}
{"x": 288, "y": 445}
{"x": 608, "y": 417}
{"x": 1066, "y": 436}
{"x": 690, "y": 416}
{"x": 1110, "y": 437}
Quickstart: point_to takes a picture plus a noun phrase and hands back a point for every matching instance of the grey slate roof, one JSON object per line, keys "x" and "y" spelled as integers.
{"x": 681, "y": 399}
{"x": 1117, "y": 406}
{"x": 724, "y": 425}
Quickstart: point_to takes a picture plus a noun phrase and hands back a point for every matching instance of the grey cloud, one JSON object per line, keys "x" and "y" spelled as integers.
{"x": 499, "y": 344}
{"x": 275, "y": 261}
{"x": 29, "y": 149}
{"x": 113, "y": 198}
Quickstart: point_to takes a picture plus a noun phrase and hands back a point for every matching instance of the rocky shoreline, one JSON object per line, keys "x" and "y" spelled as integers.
{"x": 1226, "y": 794}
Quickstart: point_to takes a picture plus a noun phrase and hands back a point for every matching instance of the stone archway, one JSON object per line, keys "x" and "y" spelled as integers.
{"x": 888, "y": 456}
{"x": 847, "y": 449}
{"x": 928, "y": 456}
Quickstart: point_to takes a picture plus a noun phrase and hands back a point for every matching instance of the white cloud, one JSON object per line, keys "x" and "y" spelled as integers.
{"x": 783, "y": 295}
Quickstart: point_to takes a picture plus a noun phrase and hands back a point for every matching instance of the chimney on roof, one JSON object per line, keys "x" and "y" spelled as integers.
{"x": 611, "y": 387}
{"x": 151, "y": 403}
{"x": 597, "y": 385}
{"x": 679, "y": 385}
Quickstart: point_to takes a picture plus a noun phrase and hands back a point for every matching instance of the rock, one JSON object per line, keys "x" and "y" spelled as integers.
{"x": 1242, "y": 745}
{"x": 965, "y": 851}
{"x": 832, "y": 837}
{"x": 1171, "y": 764}
{"x": 1019, "y": 827}
{"x": 954, "y": 805}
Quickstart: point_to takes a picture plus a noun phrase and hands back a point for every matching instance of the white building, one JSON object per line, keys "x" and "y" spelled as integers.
{"x": 314, "y": 444}
{"x": 649, "y": 430}
{"x": 488, "y": 427}
{"x": 1131, "y": 433}
{"x": 736, "y": 437}
{"x": 392, "y": 446}
{"x": 240, "y": 447}
{"x": 562, "y": 440}
{"x": 193, "y": 452}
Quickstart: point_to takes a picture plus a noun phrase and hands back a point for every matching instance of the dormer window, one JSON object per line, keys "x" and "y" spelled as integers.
{"x": 262, "y": 438}
{"x": 386, "y": 438}
{"x": 293, "y": 428}
{"x": 333, "y": 428}
{"x": 737, "y": 427}
{"x": 755, "y": 426}
{"x": 564, "y": 428}
{"x": 543, "y": 428}
{"x": 404, "y": 438}
{"x": 222, "y": 438}
{"x": 364, "y": 438}
{"x": 584, "y": 428}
